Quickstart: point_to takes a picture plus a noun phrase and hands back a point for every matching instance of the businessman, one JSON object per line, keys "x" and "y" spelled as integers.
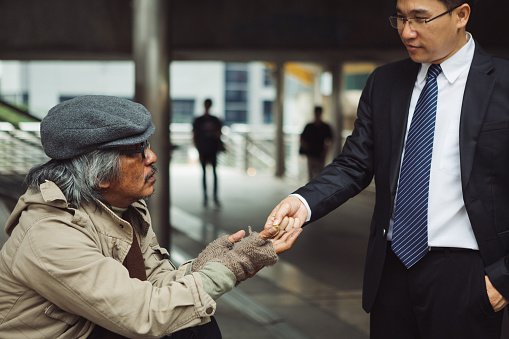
{"x": 433, "y": 132}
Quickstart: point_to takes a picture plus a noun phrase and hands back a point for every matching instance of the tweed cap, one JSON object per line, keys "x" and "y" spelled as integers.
{"x": 92, "y": 122}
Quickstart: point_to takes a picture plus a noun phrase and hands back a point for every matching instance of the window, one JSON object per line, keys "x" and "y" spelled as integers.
{"x": 182, "y": 110}
{"x": 236, "y": 76}
{"x": 267, "y": 112}
{"x": 268, "y": 80}
{"x": 236, "y": 93}
{"x": 356, "y": 81}
{"x": 235, "y": 116}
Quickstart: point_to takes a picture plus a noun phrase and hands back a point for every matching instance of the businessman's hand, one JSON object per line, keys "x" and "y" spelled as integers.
{"x": 289, "y": 214}
{"x": 281, "y": 242}
{"x": 497, "y": 300}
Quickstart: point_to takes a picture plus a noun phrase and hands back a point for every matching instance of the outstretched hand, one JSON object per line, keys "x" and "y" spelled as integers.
{"x": 281, "y": 242}
{"x": 216, "y": 249}
{"x": 289, "y": 214}
{"x": 237, "y": 236}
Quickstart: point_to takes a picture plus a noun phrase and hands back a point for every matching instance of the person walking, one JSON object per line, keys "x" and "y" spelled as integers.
{"x": 433, "y": 132}
{"x": 207, "y": 140}
{"x": 315, "y": 141}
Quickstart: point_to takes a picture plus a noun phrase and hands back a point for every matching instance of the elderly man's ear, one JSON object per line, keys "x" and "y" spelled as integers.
{"x": 104, "y": 185}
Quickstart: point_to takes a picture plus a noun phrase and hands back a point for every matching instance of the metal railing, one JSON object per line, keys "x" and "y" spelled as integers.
{"x": 250, "y": 149}
{"x": 20, "y": 148}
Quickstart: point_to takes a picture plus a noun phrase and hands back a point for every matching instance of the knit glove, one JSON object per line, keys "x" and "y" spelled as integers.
{"x": 215, "y": 249}
{"x": 249, "y": 256}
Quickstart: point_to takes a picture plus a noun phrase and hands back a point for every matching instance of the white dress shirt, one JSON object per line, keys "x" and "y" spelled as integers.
{"x": 448, "y": 222}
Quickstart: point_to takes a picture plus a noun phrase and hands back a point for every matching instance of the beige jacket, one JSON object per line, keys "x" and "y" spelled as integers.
{"x": 61, "y": 272}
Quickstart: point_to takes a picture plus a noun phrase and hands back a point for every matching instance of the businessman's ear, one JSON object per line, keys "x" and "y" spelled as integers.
{"x": 462, "y": 15}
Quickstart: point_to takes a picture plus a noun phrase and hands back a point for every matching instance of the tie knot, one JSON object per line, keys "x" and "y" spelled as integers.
{"x": 433, "y": 71}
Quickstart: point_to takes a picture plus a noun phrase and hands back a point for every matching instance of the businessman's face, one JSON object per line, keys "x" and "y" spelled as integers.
{"x": 433, "y": 32}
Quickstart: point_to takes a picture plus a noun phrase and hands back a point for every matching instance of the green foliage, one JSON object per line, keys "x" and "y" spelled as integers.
{"x": 9, "y": 115}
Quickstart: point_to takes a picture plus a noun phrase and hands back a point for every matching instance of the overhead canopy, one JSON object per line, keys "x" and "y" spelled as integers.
{"x": 312, "y": 30}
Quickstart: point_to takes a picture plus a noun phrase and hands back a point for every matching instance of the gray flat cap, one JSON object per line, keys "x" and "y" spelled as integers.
{"x": 92, "y": 122}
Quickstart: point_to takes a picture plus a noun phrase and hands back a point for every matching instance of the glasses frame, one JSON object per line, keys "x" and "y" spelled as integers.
{"x": 131, "y": 150}
{"x": 394, "y": 19}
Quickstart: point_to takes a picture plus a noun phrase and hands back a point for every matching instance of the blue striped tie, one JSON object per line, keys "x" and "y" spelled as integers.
{"x": 410, "y": 228}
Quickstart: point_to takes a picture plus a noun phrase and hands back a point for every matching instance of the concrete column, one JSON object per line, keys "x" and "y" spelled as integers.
{"x": 278, "y": 109}
{"x": 336, "y": 70}
{"x": 152, "y": 90}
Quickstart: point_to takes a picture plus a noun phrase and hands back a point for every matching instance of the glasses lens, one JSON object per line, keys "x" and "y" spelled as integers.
{"x": 135, "y": 149}
{"x": 396, "y": 22}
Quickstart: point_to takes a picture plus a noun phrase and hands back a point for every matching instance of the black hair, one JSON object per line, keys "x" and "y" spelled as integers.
{"x": 454, "y": 3}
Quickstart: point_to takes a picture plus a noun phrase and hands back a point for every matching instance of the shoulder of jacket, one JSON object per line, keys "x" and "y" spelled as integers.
{"x": 396, "y": 67}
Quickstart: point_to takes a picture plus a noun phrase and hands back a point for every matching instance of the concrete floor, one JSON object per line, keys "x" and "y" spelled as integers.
{"x": 314, "y": 291}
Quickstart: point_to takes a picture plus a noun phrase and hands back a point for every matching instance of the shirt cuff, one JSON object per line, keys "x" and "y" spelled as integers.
{"x": 298, "y": 196}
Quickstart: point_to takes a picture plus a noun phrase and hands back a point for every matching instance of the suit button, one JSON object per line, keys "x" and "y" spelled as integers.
{"x": 209, "y": 310}
{"x": 384, "y": 232}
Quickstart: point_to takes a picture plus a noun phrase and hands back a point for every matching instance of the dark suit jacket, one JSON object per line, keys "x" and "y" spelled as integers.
{"x": 376, "y": 144}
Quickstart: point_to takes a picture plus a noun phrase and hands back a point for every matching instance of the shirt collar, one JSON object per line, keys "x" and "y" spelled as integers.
{"x": 454, "y": 66}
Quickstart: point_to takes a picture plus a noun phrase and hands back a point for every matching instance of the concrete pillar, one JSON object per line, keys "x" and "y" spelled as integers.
{"x": 278, "y": 109}
{"x": 152, "y": 90}
{"x": 336, "y": 107}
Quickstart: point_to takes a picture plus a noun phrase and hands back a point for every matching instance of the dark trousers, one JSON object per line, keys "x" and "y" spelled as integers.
{"x": 212, "y": 161}
{"x": 208, "y": 331}
{"x": 443, "y": 296}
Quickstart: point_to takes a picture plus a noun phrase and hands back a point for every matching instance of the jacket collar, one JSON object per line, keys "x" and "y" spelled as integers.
{"x": 400, "y": 103}
{"x": 49, "y": 194}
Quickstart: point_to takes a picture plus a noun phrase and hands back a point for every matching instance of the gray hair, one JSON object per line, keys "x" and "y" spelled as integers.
{"x": 78, "y": 178}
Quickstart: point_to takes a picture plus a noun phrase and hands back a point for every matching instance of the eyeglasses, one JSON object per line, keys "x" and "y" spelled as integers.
{"x": 131, "y": 150}
{"x": 398, "y": 21}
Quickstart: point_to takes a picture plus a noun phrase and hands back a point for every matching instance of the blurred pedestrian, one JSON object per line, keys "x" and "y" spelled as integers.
{"x": 315, "y": 141}
{"x": 207, "y": 140}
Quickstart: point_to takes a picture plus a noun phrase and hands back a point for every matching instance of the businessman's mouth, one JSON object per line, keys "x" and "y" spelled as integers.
{"x": 411, "y": 48}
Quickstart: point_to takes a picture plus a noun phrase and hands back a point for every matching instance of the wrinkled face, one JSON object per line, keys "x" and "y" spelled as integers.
{"x": 437, "y": 40}
{"x": 136, "y": 181}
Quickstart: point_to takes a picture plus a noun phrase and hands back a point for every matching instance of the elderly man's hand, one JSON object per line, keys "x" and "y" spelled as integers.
{"x": 280, "y": 242}
{"x": 217, "y": 248}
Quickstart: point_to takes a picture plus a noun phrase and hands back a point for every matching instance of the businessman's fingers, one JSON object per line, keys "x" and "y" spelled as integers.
{"x": 287, "y": 240}
{"x": 288, "y": 207}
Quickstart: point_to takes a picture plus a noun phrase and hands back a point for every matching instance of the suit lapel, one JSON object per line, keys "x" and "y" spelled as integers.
{"x": 400, "y": 102}
{"x": 480, "y": 83}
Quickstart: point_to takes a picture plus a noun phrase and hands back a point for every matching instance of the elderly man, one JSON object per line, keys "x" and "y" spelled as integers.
{"x": 82, "y": 260}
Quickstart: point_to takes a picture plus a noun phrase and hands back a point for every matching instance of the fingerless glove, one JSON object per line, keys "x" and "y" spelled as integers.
{"x": 215, "y": 249}
{"x": 249, "y": 256}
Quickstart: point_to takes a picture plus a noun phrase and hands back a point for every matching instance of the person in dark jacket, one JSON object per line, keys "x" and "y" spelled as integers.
{"x": 207, "y": 140}
{"x": 315, "y": 141}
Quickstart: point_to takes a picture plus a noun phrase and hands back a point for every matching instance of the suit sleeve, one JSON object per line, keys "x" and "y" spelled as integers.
{"x": 352, "y": 170}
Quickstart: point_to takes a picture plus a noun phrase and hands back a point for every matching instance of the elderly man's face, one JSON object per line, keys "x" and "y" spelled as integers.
{"x": 137, "y": 179}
